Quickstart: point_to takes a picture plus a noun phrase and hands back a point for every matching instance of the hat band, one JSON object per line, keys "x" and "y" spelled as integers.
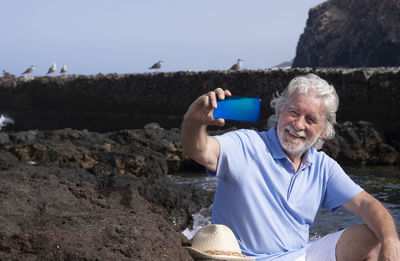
{"x": 225, "y": 253}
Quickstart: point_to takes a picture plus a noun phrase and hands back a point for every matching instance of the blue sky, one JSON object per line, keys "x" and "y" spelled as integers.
{"x": 128, "y": 36}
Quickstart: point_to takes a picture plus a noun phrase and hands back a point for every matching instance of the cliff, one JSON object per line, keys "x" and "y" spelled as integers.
{"x": 351, "y": 33}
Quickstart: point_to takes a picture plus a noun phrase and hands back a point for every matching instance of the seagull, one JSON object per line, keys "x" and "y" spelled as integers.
{"x": 157, "y": 65}
{"x": 5, "y": 120}
{"x": 63, "y": 69}
{"x": 6, "y": 74}
{"x": 237, "y": 65}
{"x": 29, "y": 70}
{"x": 52, "y": 68}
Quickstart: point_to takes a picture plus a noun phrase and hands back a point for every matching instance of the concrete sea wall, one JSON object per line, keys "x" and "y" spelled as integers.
{"x": 112, "y": 102}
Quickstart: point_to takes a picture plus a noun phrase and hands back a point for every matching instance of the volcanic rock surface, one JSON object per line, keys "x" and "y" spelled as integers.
{"x": 351, "y": 33}
{"x": 79, "y": 195}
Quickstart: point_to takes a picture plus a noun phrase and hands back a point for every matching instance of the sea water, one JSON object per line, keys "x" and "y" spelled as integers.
{"x": 381, "y": 182}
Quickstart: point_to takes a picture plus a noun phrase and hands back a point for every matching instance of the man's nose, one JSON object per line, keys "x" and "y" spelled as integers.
{"x": 299, "y": 123}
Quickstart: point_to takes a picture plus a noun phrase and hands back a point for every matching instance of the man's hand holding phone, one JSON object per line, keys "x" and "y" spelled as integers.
{"x": 214, "y": 107}
{"x": 201, "y": 110}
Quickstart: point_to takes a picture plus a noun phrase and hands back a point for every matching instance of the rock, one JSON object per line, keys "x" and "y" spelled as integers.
{"x": 4, "y": 138}
{"x": 177, "y": 202}
{"x": 7, "y": 160}
{"x": 63, "y": 214}
{"x": 351, "y": 33}
{"x": 360, "y": 144}
{"x": 70, "y": 194}
{"x": 24, "y": 136}
{"x": 81, "y": 195}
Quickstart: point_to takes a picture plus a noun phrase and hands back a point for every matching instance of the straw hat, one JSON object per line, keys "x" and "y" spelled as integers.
{"x": 216, "y": 242}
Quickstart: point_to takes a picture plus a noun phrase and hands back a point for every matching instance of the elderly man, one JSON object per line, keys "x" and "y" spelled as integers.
{"x": 272, "y": 183}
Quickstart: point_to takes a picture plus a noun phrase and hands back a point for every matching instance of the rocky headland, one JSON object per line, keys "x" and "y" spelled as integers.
{"x": 351, "y": 33}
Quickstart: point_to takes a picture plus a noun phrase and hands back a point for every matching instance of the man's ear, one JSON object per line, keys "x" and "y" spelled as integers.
{"x": 323, "y": 133}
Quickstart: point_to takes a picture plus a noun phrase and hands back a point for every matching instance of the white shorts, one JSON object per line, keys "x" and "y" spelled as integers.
{"x": 323, "y": 249}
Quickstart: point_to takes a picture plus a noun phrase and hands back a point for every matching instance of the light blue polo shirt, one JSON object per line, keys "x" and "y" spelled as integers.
{"x": 268, "y": 206}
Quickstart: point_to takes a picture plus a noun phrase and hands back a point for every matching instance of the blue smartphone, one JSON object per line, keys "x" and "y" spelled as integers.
{"x": 238, "y": 108}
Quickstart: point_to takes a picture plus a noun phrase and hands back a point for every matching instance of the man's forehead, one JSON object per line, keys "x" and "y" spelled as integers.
{"x": 315, "y": 108}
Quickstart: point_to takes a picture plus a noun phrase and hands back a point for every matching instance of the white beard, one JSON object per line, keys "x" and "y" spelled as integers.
{"x": 295, "y": 146}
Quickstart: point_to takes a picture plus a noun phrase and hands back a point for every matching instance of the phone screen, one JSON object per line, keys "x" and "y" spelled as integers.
{"x": 238, "y": 108}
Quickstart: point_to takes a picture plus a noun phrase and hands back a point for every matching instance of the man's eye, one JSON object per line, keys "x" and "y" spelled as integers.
{"x": 311, "y": 120}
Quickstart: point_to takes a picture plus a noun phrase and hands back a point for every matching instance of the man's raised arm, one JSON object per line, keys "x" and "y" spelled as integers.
{"x": 196, "y": 143}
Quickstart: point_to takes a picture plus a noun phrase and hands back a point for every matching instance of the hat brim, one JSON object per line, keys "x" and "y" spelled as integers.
{"x": 198, "y": 254}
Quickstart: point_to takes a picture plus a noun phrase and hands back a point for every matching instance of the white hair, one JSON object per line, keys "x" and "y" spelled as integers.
{"x": 303, "y": 84}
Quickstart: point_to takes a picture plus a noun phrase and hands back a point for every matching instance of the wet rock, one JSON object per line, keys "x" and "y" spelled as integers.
{"x": 178, "y": 202}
